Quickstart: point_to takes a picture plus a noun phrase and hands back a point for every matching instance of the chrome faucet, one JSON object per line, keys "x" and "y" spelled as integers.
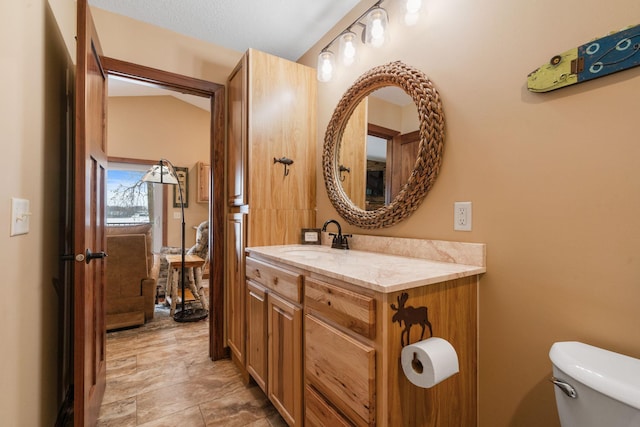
{"x": 339, "y": 240}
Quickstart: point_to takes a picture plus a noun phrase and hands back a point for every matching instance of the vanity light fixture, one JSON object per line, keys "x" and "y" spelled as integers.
{"x": 374, "y": 22}
{"x": 376, "y": 32}
{"x": 413, "y": 12}
{"x": 347, "y": 47}
{"x": 326, "y": 64}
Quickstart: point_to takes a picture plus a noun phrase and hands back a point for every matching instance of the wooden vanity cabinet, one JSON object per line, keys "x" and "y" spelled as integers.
{"x": 271, "y": 114}
{"x": 274, "y": 324}
{"x": 347, "y": 340}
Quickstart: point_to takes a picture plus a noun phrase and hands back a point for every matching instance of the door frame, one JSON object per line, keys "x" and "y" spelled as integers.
{"x": 216, "y": 92}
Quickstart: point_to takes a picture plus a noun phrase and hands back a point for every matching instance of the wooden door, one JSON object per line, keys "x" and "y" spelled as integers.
{"x": 236, "y": 285}
{"x": 285, "y": 358}
{"x": 404, "y": 154}
{"x": 257, "y": 333}
{"x": 89, "y": 216}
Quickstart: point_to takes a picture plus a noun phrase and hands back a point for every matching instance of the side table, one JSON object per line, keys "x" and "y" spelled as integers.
{"x": 194, "y": 278}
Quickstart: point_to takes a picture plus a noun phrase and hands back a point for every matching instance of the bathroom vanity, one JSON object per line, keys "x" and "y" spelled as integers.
{"x": 325, "y": 329}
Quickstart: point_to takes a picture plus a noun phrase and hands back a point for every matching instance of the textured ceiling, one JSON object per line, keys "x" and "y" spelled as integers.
{"x": 286, "y": 28}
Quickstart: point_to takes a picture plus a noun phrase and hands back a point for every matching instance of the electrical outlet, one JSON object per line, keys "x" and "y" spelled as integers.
{"x": 462, "y": 216}
{"x": 19, "y": 216}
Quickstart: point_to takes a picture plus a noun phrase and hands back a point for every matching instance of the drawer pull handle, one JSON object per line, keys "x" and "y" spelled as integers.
{"x": 257, "y": 273}
{"x": 329, "y": 303}
{"x": 275, "y": 280}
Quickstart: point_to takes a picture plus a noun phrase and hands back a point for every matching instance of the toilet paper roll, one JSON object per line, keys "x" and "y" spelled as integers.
{"x": 428, "y": 362}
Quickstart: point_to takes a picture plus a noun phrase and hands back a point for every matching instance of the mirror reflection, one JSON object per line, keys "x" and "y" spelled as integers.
{"x": 379, "y": 147}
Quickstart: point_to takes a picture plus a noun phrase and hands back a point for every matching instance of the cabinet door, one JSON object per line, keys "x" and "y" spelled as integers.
{"x": 257, "y": 333}
{"x": 236, "y": 285}
{"x": 285, "y": 358}
{"x": 237, "y": 135}
{"x": 282, "y": 123}
{"x": 353, "y": 155}
{"x": 204, "y": 173}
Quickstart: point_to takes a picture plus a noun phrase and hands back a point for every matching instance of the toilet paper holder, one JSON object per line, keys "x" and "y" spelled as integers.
{"x": 429, "y": 362}
{"x": 410, "y": 316}
{"x": 416, "y": 364}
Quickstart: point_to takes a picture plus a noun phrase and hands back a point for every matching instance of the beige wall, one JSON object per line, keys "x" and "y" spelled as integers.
{"x": 135, "y": 41}
{"x": 155, "y": 127}
{"x": 403, "y": 119}
{"x": 140, "y": 43}
{"x": 553, "y": 179}
{"x": 34, "y": 60}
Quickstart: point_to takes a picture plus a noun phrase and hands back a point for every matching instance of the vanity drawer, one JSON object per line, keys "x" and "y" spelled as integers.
{"x": 284, "y": 282}
{"x": 354, "y": 311}
{"x": 342, "y": 369}
{"x": 319, "y": 413}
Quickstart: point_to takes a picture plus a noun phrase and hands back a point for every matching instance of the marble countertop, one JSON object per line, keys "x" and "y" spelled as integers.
{"x": 379, "y": 272}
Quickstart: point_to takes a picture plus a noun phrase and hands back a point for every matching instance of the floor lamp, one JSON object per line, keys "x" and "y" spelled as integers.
{"x": 165, "y": 173}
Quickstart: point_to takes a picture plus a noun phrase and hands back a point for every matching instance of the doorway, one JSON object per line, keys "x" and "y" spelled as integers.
{"x": 215, "y": 93}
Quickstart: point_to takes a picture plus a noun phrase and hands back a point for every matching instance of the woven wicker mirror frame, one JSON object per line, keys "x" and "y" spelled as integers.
{"x": 427, "y": 166}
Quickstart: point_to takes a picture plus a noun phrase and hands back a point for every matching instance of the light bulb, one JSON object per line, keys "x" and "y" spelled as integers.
{"x": 413, "y": 6}
{"x": 413, "y": 12}
{"x": 347, "y": 48}
{"x": 376, "y": 27}
{"x": 325, "y": 66}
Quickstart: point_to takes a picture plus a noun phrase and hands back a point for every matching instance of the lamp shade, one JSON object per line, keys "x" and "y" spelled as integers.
{"x": 376, "y": 31}
{"x": 326, "y": 65}
{"x": 347, "y": 47}
{"x": 161, "y": 174}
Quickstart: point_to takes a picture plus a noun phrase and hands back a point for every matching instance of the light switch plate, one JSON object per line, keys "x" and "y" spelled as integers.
{"x": 19, "y": 216}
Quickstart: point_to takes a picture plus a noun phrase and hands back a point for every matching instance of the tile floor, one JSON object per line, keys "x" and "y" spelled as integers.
{"x": 160, "y": 375}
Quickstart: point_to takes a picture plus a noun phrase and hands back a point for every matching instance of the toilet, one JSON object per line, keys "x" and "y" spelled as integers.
{"x": 595, "y": 387}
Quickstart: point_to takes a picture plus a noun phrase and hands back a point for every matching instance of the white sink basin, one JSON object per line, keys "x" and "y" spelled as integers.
{"x": 311, "y": 253}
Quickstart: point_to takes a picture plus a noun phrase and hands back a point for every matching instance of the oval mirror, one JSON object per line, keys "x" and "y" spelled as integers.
{"x": 397, "y": 186}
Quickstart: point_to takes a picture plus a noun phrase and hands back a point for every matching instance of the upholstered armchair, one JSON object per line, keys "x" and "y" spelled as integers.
{"x": 130, "y": 292}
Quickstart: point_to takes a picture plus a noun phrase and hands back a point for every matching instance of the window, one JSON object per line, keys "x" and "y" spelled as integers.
{"x": 131, "y": 201}
{"x": 127, "y": 197}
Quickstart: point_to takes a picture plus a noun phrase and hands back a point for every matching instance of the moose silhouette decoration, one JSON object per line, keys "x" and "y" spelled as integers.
{"x": 410, "y": 316}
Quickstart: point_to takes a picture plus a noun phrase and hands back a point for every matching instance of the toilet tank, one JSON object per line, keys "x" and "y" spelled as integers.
{"x": 605, "y": 386}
